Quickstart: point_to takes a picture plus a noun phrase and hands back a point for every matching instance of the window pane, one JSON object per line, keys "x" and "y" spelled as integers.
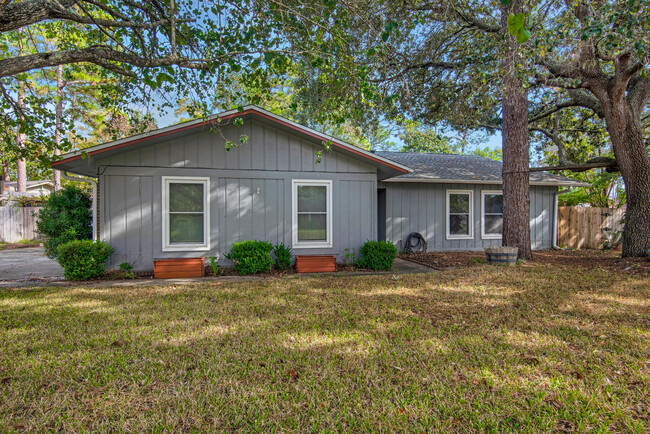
{"x": 185, "y": 197}
{"x": 458, "y": 225}
{"x": 459, "y": 203}
{"x": 312, "y": 198}
{"x": 493, "y": 224}
{"x": 312, "y": 227}
{"x": 186, "y": 228}
{"x": 493, "y": 203}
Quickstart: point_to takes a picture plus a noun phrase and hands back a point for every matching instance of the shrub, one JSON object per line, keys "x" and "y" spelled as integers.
{"x": 127, "y": 270}
{"x": 65, "y": 217}
{"x": 83, "y": 259}
{"x": 214, "y": 264}
{"x": 251, "y": 256}
{"x": 377, "y": 255}
{"x": 283, "y": 255}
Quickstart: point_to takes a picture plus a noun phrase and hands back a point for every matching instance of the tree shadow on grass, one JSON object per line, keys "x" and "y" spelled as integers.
{"x": 484, "y": 349}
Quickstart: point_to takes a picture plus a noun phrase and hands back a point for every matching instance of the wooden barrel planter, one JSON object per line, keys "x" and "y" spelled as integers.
{"x": 501, "y": 255}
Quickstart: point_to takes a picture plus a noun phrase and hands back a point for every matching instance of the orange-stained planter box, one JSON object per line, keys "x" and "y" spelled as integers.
{"x": 178, "y": 267}
{"x": 315, "y": 263}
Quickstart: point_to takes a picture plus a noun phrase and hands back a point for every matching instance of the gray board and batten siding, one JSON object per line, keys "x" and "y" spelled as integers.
{"x": 421, "y": 207}
{"x": 250, "y": 191}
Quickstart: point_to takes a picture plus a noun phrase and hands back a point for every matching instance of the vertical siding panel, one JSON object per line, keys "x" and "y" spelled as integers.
{"x": 356, "y": 214}
{"x": 192, "y": 150}
{"x": 148, "y": 156}
{"x": 222, "y": 209}
{"x": 232, "y": 156}
{"x": 246, "y": 208}
{"x": 232, "y": 231}
{"x": 133, "y": 223}
{"x": 258, "y": 144}
{"x": 204, "y": 144}
{"x": 343, "y": 229}
{"x": 146, "y": 241}
{"x": 218, "y": 150}
{"x": 271, "y": 218}
{"x": 282, "y": 141}
{"x": 295, "y": 157}
{"x": 162, "y": 152}
{"x": 306, "y": 154}
{"x": 258, "y": 210}
{"x": 104, "y": 219}
{"x": 177, "y": 153}
{"x": 422, "y": 225}
{"x": 244, "y": 149}
{"x": 117, "y": 217}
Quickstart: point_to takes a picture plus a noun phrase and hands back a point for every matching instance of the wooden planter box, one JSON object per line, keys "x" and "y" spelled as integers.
{"x": 315, "y": 263}
{"x": 178, "y": 267}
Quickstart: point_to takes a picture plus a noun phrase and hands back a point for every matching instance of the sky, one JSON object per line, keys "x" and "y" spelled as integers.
{"x": 166, "y": 119}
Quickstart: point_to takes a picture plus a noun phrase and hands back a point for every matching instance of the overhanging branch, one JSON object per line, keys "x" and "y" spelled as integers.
{"x": 601, "y": 163}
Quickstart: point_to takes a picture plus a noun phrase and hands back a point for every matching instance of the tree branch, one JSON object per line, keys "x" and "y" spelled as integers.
{"x": 20, "y": 14}
{"x": 594, "y": 163}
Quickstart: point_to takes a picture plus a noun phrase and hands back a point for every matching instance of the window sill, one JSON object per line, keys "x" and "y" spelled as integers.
{"x": 460, "y": 237}
{"x": 491, "y": 237}
{"x": 312, "y": 246}
{"x": 186, "y": 248}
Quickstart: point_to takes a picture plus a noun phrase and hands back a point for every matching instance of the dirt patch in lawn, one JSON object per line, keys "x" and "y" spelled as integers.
{"x": 591, "y": 259}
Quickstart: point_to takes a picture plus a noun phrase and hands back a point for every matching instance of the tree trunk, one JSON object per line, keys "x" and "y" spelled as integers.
{"x": 4, "y": 177}
{"x": 626, "y": 133}
{"x": 56, "y": 175}
{"x": 516, "y": 191}
{"x": 21, "y": 169}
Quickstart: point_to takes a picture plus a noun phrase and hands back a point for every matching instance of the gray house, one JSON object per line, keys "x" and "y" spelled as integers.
{"x": 177, "y": 192}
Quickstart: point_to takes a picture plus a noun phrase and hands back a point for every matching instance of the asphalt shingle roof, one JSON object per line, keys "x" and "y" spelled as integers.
{"x": 462, "y": 168}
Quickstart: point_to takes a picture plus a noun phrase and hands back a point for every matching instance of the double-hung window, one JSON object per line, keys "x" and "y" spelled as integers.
{"x": 185, "y": 213}
{"x": 312, "y": 213}
{"x": 459, "y": 214}
{"x": 492, "y": 218}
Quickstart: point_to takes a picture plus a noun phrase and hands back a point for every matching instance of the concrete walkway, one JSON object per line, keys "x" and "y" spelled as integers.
{"x": 36, "y": 270}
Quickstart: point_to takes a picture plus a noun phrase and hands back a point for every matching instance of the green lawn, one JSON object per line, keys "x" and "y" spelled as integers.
{"x": 529, "y": 348}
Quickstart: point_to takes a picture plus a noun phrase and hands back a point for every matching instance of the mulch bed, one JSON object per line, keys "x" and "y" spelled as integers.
{"x": 604, "y": 259}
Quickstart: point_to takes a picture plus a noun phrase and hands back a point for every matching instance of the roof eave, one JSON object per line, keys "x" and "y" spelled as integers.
{"x": 484, "y": 182}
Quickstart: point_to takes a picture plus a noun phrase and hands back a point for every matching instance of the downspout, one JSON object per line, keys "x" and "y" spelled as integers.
{"x": 555, "y": 215}
{"x": 93, "y": 182}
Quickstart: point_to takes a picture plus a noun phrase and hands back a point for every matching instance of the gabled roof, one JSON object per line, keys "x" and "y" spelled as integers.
{"x": 463, "y": 169}
{"x": 73, "y": 161}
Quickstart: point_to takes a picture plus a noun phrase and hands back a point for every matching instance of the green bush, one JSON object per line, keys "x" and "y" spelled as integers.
{"x": 251, "y": 256}
{"x": 65, "y": 217}
{"x": 83, "y": 259}
{"x": 283, "y": 255}
{"x": 377, "y": 255}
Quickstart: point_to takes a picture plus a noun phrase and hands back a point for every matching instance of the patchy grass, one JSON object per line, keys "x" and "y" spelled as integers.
{"x": 19, "y": 244}
{"x": 535, "y": 348}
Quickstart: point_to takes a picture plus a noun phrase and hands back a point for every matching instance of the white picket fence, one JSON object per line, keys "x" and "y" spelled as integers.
{"x": 18, "y": 223}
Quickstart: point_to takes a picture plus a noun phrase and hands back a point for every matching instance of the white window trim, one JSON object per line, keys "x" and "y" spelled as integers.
{"x": 471, "y": 216}
{"x": 166, "y": 245}
{"x": 483, "y": 234}
{"x": 294, "y": 214}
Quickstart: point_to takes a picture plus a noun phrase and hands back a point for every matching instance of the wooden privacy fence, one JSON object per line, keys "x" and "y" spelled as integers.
{"x": 582, "y": 227}
{"x": 18, "y": 223}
